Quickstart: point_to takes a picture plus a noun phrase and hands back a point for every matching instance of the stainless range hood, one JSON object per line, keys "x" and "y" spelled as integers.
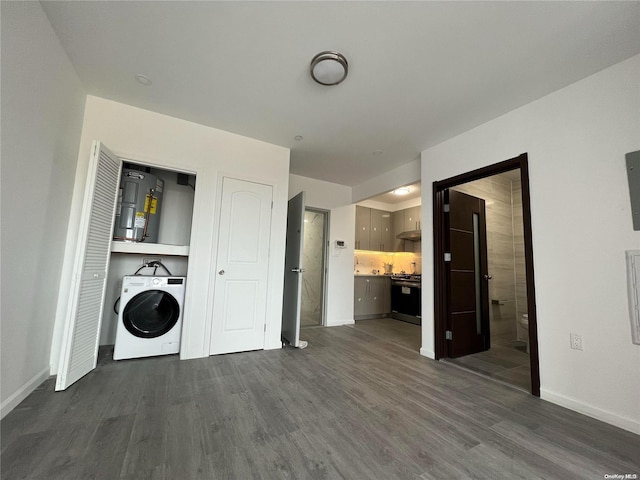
{"x": 410, "y": 235}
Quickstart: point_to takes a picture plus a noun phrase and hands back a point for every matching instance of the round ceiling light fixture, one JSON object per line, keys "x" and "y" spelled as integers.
{"x": 329, "y": 68}
{"x": 401, "y": 191}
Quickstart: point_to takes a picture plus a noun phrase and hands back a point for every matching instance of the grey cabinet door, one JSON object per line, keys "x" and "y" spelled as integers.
{"x": 411, "y": 219}
{"x": 386, "y": 237}
{"x": 398, "y": 228}
{"x": 360, "y": 296}
{"x": 363, "y": 228}
{"x": 380, "y": 295}
{"x": 375, "y": 238}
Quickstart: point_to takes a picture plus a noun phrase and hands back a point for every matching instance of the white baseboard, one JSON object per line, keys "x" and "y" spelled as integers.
{"x": 338, "y": 323}
{"x": 273, "y": 346}
{"x": 23, "y": 392}
{"x": 428, "y": 353}
{"x": 591, "y": 411}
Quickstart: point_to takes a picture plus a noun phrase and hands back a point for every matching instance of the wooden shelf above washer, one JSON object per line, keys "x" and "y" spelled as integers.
{"x": 150, "y": 248}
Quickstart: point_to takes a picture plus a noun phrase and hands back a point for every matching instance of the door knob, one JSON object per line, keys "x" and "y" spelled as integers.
{"x": 488, "y": 277}
{"x": 221, "y": 272}
{"x": 297, "y": 270}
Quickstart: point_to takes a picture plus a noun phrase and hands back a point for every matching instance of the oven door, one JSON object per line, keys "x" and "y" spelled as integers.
{"x": 406, "y": 300}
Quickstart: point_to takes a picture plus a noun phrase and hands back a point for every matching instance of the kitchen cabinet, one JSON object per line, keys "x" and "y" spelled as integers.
{"x": 412, "y": 218}
{"x": 363, "y": 227}
{"x": 373, "y": 230}
{"x": 372, "y": 297}
{"x": 398, "y": 227}
{"x": 404, "y": 221}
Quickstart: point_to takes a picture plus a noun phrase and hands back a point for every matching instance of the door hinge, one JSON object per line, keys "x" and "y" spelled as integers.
{"x": 448, "y": 335}
{"x": 271, "y": 204}
{"x": 446, "y": 208}
{"x": 265, "y": 328}
{"x": 447, "y": 256}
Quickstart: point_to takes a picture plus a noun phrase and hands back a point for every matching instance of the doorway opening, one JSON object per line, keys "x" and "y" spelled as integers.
{"x": 314, "y": 251}
{"x": 510, "y": 351}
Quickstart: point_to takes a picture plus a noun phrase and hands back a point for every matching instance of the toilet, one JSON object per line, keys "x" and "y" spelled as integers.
{"x": 523, "y": 323}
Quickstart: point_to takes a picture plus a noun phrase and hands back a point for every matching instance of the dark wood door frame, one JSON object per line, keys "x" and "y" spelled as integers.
{"x": 440, "y": 291}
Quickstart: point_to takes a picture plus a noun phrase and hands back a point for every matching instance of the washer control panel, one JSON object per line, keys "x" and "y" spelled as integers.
{"x": 147, "y": 281}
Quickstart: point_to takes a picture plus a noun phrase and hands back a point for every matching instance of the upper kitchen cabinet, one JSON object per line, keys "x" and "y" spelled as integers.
{"x": 412, "y": 218}
{"x": 363, "y": 228}
{"x": 373, "y": 229}
{"x": 407, "y": 226}
{"x": 381, "y": 236}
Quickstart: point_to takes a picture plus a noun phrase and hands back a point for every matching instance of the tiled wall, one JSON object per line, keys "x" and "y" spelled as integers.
{"x": 518, "y": 251}
{"x": 311, "y": 295}
{"x": 505, "y": 251}
{"x": 369, "y": 262}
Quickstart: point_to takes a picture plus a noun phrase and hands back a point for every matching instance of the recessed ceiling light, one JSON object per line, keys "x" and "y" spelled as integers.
{"x": 297, "y": 138}
{"x": 143, "y": 80}
{"x": 329, "y": 68}
{"x": 401, "y": 191}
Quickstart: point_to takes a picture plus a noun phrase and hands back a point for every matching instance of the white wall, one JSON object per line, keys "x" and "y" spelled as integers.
{"x": 576, "y": 139}
{"x": 402, "y": 175}
{"x": 166, "y": 142}
{"x": 342, "y": 220}
{"x": 42, "y": 109}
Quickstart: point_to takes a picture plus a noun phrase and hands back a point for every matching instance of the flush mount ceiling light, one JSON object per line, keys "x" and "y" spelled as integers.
{"x": 329, "y": 68}
{"x": 401, "y": 191}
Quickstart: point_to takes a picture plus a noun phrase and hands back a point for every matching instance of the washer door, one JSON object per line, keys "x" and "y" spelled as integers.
{"x": 151, "y": 314}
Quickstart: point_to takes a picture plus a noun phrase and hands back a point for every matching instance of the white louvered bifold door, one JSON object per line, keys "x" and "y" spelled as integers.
{"x": 84, "y": 311}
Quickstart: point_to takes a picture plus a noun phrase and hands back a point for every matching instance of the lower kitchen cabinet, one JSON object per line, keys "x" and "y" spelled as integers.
{"x": 372, "y": 297}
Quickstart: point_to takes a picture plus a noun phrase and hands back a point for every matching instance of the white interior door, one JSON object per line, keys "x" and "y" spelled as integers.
{"x": 84, "y": 311}
{"x": 241, "y": 267}
{"x": 293, "y": 270}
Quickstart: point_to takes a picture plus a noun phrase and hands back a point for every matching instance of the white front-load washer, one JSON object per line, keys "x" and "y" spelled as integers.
{"x": 150, "y": 316}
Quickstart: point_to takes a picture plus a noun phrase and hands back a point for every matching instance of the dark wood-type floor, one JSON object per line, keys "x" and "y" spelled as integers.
{"x": 505, "y": 362}
{"x": 352, "y": 405}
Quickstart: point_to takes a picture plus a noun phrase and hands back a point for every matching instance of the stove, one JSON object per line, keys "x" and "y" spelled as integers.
{"x": 414, "y": 278}
{"x": 406, "y": 301}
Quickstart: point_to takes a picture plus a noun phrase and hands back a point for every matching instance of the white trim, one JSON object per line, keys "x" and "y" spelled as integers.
{"x": 149, "y": 248}
{"x": 427, "y": 353}
{"x": 591, "y": 411}
{"x": 23, "y": 392}
{"x": 339, "y": 323}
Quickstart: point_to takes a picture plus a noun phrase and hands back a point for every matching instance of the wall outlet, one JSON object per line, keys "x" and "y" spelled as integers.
{"x": 576, "y": 341}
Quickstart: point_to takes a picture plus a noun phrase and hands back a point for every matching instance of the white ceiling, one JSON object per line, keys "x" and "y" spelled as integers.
{"x": 419, "y": 72}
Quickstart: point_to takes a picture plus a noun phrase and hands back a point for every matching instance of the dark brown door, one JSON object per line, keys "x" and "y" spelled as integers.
{"x": 467, "y": 276}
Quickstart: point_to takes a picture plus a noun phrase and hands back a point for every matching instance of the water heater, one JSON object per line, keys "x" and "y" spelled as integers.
{"x": 138, "y": 207}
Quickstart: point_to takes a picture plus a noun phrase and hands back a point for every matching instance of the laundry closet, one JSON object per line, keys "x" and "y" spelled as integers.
{"x": 203, "y": 231}
{"x": 167, "y": 245}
